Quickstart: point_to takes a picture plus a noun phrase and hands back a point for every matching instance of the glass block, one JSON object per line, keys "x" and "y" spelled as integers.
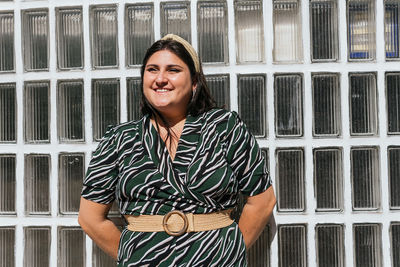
{"x": 249, "y": 30}
{"x": 7, "y": 245}
{"x": 365, "y": 178}
{"x": 100, "y": 258}
{"x": 395, "y": 243}
{"x": 105, "y": 105}
{"x": 37, "y": 184}
{"x": 367, "y": 245}
{"x": 37, "y": 241}
{"x": 330, "y": 245}
{"x": 7, "y": 46}
{"x": 69, "y": 38}
{"x": 71, "y": 171}
{"x": 8, "y": 112}
{"x": 35, "y": 35}
{"x": 139, "y": 32}
{"x": 290, "y": 179}
{"x": 326, "y": 105}
{"x": 324, "y": 30}
{"x": 288, "y": 105}
{"x": 212, "y": 27}
{"x": 104, "y": 36}
{"x": 70, "y": 111}
{"x": 71, "y": 247}
{"x": 361, "y": 29}
{"x": 37, "y": 111}
{"x": 7, "y": 184}
{"x": 252, "y": 103}
{"x": 363, "y": 104}
{"x": 393, "y": 102}
{"x": 219, "y": 89}
{"x": 259, "y": 254}
{"x": 328, "y": 179}
{"x": 288, "y": 40}
{"x": 134, "y": 87}
{"x": 292, "y": 245}
{"x": 265, "y": 154}
{"x": 175, "y": 18}
{"x": 394, "y": 176}
{"x": 392, "y": 10}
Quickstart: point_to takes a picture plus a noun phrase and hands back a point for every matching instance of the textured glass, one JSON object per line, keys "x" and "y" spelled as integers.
{"x": 35, "y": 35}
{"x": 259, "y": 254}
{"x": 69, "y": 38}
{"x": 212, "y": 28}
{"x": 392, "y": 10}
{"x": 290, "y": 179}
{"x": 37, "y": 246}
{"x": 37, "y": 112}
{"x": 139, "y": 32}
{"x": 361, "y": 29}
{"x": 365, "y": 178}
{"x": 70, "y": 111}
{"x": 288, "y": 40}
{"x": 324, "y": 30}
{"x": 7, "y": 60}
{"x": 292, "y": 245}
{"x": 393, "y": 102}
{"x": 249, "y": 29}
{"x": 71, "y": 247}
{"x": 71, "y": 171}
{"x": 363, "y": 104}
{"x": 367, "y": 245}
{"x": 394, "y": 176}
{"x": 100, "y": 258}
{"x": 8, "y": 112}
{"x": 219, "y": 88}
{"x": 326, "y": 105}
{"x": 328, "y": 179}
{"x": 105, "y": 106}
{"x": 7, "y": 184}
{"x": 7, "y": 245}
{"x": 288, "y": 105}
{"x": 330, "y": 245}
{"x": 104, "y": 36}
{"x": 395, "y": 243}
{"x": 37, "y": 191}
{"x": 175, "y": 18}
{"x": 252, "y": 103}
{"x": 134, "y": 98}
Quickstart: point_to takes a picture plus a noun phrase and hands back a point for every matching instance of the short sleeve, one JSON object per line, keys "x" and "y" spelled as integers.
{"x": 245, "y": 158}
{"x": 102, "y": 173}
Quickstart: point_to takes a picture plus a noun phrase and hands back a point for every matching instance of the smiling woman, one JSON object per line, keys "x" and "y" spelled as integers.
{"x": 177, "y": 173}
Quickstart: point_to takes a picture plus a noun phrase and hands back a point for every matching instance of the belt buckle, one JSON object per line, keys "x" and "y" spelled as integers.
{"x": 185, "y": 223}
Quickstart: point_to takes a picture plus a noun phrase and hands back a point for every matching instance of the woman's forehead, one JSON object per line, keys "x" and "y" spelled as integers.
{"x": 165, "y": 57}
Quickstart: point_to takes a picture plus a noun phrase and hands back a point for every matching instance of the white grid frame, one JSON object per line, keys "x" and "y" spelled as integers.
{"x": 383, "y": 216}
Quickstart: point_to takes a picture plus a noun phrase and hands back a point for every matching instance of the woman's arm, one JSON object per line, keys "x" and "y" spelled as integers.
{"x": 255, "y": 215}
{"x": 93, "y": 220}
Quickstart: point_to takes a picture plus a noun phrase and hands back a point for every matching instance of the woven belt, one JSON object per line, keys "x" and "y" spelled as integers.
{"x": 177, "y": 223}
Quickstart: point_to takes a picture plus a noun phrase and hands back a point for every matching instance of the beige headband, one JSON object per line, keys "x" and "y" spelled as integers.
{"x": 187, "y": 46}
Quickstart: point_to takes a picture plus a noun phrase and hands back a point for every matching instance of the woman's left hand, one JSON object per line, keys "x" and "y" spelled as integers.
{"x": 255, "y": 215}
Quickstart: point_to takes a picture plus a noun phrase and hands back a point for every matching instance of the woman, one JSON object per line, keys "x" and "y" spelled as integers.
{"x": 176, "y": 173}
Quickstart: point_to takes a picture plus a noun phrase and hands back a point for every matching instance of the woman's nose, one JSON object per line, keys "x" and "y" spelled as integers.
{"x": 161, "y": 78}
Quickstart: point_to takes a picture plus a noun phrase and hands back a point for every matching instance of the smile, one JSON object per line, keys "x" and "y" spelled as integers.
{"x": 162, "y": 90}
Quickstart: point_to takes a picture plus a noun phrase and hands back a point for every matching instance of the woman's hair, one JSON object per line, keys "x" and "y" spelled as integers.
{"x": 201, "y": 101}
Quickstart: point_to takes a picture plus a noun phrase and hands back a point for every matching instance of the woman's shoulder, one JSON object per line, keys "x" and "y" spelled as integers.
{"x": 129, "y": 128}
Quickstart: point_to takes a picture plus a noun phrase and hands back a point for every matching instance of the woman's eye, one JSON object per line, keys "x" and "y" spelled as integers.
{"x": 174, "y": 70}
{"x": 151, "y": 69}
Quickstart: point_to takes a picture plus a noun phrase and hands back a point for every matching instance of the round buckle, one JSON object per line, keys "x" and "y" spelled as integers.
{"x": 185, "y": 223}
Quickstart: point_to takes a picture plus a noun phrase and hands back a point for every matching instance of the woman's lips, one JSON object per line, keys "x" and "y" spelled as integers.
{"x": 162, "y": 90}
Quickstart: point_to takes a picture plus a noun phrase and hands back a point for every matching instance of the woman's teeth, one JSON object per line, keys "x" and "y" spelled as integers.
{"x": 162, "y": 90}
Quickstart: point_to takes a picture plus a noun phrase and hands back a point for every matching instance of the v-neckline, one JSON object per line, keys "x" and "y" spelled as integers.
{"x": 154, "y": 131}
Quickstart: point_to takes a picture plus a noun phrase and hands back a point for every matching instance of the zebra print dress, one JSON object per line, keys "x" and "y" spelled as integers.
{"x": 216, "y": 158}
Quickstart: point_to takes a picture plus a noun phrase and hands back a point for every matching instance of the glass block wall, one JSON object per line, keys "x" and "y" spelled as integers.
{"x": 316, "y": 81}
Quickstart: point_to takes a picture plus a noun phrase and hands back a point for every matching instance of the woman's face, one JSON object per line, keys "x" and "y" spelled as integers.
{"x": 167, "y": 84}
